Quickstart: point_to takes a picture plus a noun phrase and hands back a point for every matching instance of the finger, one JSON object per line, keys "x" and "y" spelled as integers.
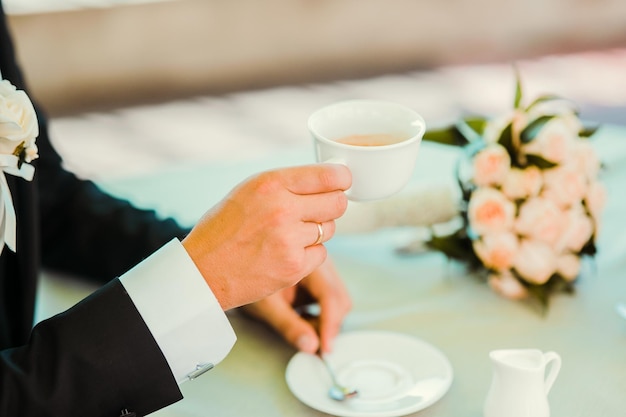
{"x": 330, "y": 321}
{"x": 313, "y": 258}
{"x": 293, "y": 328}
{"x": 317, "y": 178}
{"x": 333, "y": 309}
{"x": 322, "y": 207}
{"x": 329, "y": 290}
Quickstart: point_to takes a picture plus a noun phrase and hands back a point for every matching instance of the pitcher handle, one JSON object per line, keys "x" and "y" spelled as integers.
{"x": 554, "y": 368}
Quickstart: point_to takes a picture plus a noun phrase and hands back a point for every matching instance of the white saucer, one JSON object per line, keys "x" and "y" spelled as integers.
{"x": 395, "y": 374}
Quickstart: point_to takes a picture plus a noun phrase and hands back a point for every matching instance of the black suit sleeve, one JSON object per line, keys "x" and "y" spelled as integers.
{"x": 98, "y": 358}
{"x": 83, "y": 230}
{"x": 83, "y": 363}
{"x": 87, "y": 232}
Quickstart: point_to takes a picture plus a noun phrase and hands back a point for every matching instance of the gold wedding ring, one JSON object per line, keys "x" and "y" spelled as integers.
{"x": 320, "y": 234}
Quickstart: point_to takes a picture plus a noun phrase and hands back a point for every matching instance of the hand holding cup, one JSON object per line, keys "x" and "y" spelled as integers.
{"x": 265, "y": 235}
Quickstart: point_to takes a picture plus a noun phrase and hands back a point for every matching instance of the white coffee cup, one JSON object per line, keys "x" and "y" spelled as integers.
{"x": 388, "y": 137}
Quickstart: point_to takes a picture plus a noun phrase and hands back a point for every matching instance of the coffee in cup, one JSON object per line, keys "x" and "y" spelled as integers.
{"x": 372, "y": 139}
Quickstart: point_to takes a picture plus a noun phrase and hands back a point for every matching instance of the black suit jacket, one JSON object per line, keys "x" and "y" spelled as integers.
{"x": 97, "y": 358}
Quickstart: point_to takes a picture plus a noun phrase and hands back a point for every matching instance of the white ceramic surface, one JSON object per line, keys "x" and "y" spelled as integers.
{"x": 377, "y": 171}
{"x": 395, "y": 374}
{"x": 521, "y": 382}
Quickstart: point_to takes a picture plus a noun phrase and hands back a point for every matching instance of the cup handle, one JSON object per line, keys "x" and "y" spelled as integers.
{"x": 335, "y": 161}
{"x": 555, "y": 367}
{"x": 343, "y": 162}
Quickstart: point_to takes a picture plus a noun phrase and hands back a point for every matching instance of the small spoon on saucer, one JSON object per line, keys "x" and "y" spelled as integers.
{"x": 337, "y": 391}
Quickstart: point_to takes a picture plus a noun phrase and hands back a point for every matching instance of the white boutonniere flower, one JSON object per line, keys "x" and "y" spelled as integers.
{"x": 18, "y": 131}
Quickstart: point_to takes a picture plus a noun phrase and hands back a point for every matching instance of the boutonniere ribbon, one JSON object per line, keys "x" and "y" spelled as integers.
{"x": 8, "y": 223}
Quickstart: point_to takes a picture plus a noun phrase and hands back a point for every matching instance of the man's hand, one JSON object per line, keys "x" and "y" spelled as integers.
{"x": 282, "y": 312}
{"x": 260, "y": 238}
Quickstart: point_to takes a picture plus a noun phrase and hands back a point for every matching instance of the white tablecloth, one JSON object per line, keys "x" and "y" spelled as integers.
{"x": 424, "y": 296}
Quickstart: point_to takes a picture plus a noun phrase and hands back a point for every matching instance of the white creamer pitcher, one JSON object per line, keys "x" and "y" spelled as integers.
{"x": 520, "y": 385}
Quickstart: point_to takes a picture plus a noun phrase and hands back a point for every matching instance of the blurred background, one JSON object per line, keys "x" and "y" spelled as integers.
{"x": 125, "y": 82}
{"x": 83, "y": 55}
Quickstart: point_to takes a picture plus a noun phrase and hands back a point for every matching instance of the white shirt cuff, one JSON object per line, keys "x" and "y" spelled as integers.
{"x": 180, "y": 310}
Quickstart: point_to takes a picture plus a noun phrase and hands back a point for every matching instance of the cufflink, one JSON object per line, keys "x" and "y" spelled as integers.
{"x": 200, "y": 369}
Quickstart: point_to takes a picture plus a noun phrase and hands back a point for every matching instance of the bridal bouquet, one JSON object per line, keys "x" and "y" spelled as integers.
{"x": 18, "y": 131}
{"x": 531, "y": 199}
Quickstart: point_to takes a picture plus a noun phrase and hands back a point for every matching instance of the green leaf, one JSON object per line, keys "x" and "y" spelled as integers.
{"x": 589, "y": 248}
{"x": 20, "y": 152}
{"x": 540, "y": 294}
{"x": 518, "y": 88}
{"x": 506, "y": 140}
{"x": 588, "y": 131}
{"x": 446, "y": 136}
{"x": 477, "y": 124}
{"x": 456, "y": 245}
{"x": 461, "y": 133}
{"x": 539, "y": 162}
{"x": 531, "y": 131}
{"x": 544, "y": 98}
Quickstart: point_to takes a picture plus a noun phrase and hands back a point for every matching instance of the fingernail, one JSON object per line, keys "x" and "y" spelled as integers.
{"x": 306, "y": 343}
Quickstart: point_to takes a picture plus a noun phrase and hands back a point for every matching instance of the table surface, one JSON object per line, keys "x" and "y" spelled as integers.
{"x": 424, "y": 296}
{"x": 133, "y": 152}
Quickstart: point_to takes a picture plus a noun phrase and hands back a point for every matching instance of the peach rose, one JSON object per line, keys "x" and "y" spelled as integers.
{"x": 490, "y": 211}
{"x": 577, "y": 231}
{"x": 585, "y": 159}
{"x": 497, "y": 250}
{"x": 535, "y": 261}
{"x": 595, "y": 200}
{"x": 568, "y": 266}
{"x": 565, "y": 185}
{"x": 522, "y": 183}
{"x": 491, "y": 165}
{"x": 565, "y": 115}
{"x": 541, "y": 219}
{"x": 505, "y": 284}
{"x": 554, "y": 142}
